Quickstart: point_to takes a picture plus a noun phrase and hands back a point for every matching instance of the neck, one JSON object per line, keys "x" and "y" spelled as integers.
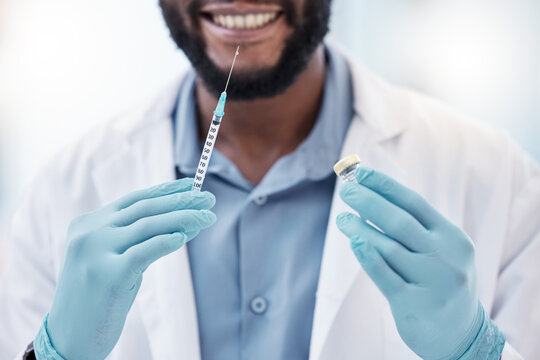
{"x": 255, "y": 134}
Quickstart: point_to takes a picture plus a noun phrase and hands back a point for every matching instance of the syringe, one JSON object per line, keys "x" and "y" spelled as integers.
{"x": 212, "y": 133}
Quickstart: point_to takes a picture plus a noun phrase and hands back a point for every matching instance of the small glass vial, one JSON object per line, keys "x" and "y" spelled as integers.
{"x": 346, "y": 167}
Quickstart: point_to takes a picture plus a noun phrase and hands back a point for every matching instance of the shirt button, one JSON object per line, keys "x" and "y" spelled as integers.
{"x": 261, "y": 200}
{"x": 258, "y": 305}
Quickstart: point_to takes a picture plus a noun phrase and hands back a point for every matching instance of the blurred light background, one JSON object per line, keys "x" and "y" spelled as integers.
{"x": 66, "y": 65}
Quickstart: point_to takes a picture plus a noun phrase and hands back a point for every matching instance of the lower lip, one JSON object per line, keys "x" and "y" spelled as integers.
{"x": 243, "y": 35}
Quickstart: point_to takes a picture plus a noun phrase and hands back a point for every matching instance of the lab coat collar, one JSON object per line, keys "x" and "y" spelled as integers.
{"x": 374, "y": 103}
{"x": 376, "y": 122}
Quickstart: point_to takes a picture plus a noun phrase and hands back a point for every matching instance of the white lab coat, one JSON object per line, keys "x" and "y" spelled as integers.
{"x": 470, "y": 172}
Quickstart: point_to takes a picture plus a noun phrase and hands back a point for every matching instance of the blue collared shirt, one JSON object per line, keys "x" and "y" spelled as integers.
{"x": 255, "y": 272}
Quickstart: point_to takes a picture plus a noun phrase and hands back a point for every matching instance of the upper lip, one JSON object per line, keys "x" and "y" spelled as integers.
{"x": 241, "y": 8}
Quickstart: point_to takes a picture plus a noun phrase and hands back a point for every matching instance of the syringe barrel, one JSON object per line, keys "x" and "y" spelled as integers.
{"x": 206, "y": 154}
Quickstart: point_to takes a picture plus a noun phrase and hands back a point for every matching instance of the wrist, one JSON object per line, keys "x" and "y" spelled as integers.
{"x": 488, "y": 343}
{"x": 471, "y": 334}
{"x": 43, "y": 347}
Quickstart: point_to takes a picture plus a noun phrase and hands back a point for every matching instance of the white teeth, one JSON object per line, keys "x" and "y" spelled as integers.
{"x": 218, "y": 20}
{"x": 249, "y": 21}
{"x": 229, "y": 22}
{"x": 259, "y": 19}
{"x": 239, "y": 21}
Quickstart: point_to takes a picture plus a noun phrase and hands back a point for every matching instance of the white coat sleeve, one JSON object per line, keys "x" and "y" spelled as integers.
{"x": 516, "y": 307}
{"x": 28, "y": 283}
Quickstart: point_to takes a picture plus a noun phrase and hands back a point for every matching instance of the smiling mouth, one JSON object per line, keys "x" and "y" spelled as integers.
{"x": 248, "y": 21}
{"x": 245, "y": 21}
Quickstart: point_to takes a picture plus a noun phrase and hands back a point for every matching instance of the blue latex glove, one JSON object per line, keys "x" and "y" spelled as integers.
{"x": 422, "y": 263}
{"x": 107, "y": 252}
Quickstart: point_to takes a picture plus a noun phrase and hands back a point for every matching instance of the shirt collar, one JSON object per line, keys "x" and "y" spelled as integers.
{"x": 311, "y": 161}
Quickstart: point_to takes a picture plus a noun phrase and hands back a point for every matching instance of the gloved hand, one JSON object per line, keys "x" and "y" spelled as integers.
{"x": 422, "y": 263}
{"x": 107, "y": 252}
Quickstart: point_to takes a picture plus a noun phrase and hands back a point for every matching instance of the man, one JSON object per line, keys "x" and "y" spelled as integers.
{"x": 273, "y": 277}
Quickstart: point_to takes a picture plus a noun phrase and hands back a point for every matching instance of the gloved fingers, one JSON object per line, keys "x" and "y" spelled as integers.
{"x": 386, "y": 279}
{"x": 400, "y": 195}
{"x": 153, "y": 192}
{"x": 401, "y": 260}
{"x": 391, "y": 219}
{"x": 182, "y": 221}
{"x": 140, "y": 256}
{"x": 196, "y": 200}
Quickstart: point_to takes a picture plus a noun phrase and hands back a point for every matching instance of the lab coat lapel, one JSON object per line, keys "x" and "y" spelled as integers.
{"x": 370, "y": 135}
{"x": 166, "y": 298}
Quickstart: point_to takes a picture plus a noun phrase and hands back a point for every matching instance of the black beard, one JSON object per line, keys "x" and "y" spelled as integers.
{"x": 263, "y": 83}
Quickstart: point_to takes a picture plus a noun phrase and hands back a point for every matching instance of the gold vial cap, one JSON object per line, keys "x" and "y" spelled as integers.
{"x": 346, "y": 162}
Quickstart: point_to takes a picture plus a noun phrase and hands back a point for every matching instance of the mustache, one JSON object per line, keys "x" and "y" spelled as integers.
{"x": 289, "y": 10}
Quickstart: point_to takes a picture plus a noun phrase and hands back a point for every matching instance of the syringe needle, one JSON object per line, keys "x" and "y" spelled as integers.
{"x": 212, "y": 134}
{"x": 232, "y": 67}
